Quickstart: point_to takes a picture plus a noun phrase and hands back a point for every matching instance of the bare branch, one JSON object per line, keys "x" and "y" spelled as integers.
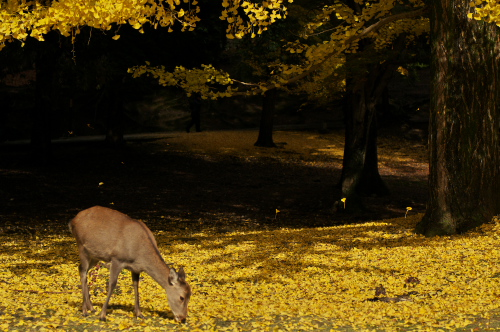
{"x": 244, "y": 83}
{"x": 322, "y": 32}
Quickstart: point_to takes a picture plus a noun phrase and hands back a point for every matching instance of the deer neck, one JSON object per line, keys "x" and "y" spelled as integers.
{"x": 159, "y": 271}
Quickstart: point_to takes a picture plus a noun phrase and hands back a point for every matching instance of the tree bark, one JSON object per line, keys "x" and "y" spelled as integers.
{"x": 464, "y": 130}
{"x": 265, "y": 138}
{"x": 371, "y": 182}
{"x": 360, "y": 175}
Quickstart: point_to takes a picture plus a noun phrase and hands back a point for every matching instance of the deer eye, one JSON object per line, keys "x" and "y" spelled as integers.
{"x": 182, "y": 298}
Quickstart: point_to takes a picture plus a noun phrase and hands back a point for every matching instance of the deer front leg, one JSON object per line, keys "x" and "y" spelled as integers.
{"x": 135, "y": 283}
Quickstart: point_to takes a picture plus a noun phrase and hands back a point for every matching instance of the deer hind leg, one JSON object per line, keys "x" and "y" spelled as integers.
{"x": 114, "y": 271}
{"x": 135, "y": 283}
{"x": 85, "y": 265}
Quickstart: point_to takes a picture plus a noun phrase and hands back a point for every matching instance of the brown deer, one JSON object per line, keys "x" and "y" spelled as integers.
{"x": 107, "y": 235}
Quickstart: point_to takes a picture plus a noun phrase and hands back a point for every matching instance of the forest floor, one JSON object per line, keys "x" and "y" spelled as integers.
{"x": 211, "y": 199}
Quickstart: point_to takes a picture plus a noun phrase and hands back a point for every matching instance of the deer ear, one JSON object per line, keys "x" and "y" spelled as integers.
{"x": 181, "y": 275}
{"x": 173, "y": 277}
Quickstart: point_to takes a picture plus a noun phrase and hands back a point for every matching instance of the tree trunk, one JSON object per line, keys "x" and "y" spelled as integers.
{"x": 464, "y": 130}
{"x": 265, "y": 138}
{"x": 371, "y": 182}
{"x": 360, "y": 175}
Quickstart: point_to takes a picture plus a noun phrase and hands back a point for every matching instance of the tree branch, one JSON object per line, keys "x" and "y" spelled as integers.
{"x": 372, "y": 28}
{"x": 244, "y": 83}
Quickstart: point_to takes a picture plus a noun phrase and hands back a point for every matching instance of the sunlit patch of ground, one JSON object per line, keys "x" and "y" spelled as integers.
{"x": 270, "y": 280}
{"x": 397, "y": 156}
{"x": 402, "y": 163}
{"x": 301, "y": 145}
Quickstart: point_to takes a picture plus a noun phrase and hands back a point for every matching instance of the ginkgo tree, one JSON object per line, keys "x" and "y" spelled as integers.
{"x": 359, "y": 38}
{"x": 370, "y": 64}
{"x": 464, "y": 125}
{"x": 464, "y": 128}
{"x": 325, "y": 55}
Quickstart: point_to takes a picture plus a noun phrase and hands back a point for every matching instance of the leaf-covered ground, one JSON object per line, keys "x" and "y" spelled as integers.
{"x": 211, "y": 200}
{"x": 282, "y": 279}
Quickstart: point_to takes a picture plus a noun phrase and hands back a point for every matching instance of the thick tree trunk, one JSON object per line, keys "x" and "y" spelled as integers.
{"x": 371, "y": 182}
{"x": 360, "y": 175}
{"x": 265, "y": 138}
{"x": 464, "y": 133}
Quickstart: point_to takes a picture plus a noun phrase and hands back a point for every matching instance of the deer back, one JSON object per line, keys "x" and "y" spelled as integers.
{"x": 105, "y": 234}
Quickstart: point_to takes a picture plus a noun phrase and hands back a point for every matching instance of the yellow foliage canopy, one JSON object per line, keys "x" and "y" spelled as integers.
{"x": 20, "y": 18}
{"x": 320, "y": 61}
{"x": 197, "y": 80}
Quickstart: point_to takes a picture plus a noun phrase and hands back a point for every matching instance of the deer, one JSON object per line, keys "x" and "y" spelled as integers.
{"x": 106, "y": 235}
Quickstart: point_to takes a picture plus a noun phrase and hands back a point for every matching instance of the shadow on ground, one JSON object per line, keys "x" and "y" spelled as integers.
{"x": 152, "y": 179}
